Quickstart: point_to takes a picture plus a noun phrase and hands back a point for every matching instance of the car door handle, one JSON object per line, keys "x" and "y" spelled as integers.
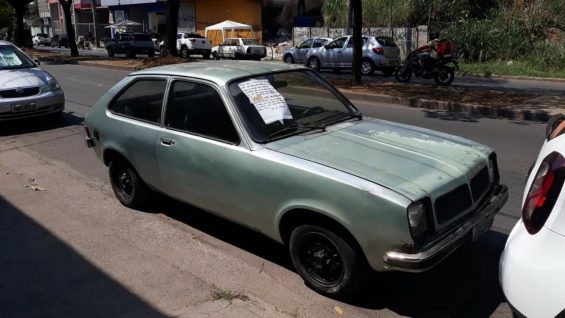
{"x": 167, "y": 141}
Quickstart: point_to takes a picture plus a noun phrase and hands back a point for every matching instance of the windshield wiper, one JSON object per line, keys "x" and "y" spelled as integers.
{"x": 296, "y": 126}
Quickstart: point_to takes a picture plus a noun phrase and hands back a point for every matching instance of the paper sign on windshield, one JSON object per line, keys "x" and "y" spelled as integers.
{"x": 267, "y": 100}
{"x": 9, "y": 58}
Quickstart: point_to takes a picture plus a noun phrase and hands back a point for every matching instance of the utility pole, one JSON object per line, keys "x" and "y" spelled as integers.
{"x": 93, "y": 8}
{"x": 357, "y": 39}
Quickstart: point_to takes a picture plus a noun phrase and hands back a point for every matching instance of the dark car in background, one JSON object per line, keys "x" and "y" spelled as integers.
{"x": 131, "y": 44}
{"x": 60, "y": 40}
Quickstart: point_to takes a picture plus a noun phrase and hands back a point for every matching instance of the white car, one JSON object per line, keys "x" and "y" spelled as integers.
{"x": 41, "y": 38}
{"x": 239, "y": 48}
{"x": 532, "y": 266}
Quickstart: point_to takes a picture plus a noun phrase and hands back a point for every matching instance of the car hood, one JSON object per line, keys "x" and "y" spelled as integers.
{"x": 412, "y": 161}
{"x": 28, "y": 77}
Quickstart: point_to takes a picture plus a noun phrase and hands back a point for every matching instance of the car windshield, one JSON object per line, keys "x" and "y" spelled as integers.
{"x": 12, "y": 58}
{"x": 278, "y": 105}
{"x": 250, "y": 42}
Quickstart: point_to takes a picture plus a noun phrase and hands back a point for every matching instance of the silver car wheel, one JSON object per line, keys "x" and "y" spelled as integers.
{"x": 366, "y": 67}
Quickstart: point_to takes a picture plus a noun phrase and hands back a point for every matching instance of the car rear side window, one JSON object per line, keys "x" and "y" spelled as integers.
{"x": 199, "y": 109}
{"x": 141, "y": 100}
{"x": 320, "y": 42}
{"x": 385, "y": 41}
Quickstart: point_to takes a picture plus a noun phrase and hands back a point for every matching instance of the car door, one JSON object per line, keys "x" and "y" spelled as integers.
{"x": 200, "y": 158}
{"x": 136, "y": 114}
{"x": 302, "y": 50}
{"x": 347, "y": 53}
{"x": 331, "y": 55}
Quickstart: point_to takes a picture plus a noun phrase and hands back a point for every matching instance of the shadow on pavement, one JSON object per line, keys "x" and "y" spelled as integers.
{"x": 464, "y": 285}
{"x": 38, "y": 124}
{"x": 41, "y": 276}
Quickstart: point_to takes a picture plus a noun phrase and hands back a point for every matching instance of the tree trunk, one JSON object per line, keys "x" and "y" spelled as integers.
{"x": 19, "y": 32}
{"x": 357, "y": 42}
{"x": 66, "y": 5}
{"x": 172, "y": 26}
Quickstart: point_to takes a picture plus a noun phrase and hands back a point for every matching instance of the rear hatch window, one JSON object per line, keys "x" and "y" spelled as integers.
{"x": 385, "y": 41}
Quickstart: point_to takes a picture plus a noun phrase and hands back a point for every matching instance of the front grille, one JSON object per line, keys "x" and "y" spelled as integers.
{"x": 480, "y": 184}
{"x": 20, "y": 92}
{"x": 453, "y": 203}
{"x": 7, "y": 116}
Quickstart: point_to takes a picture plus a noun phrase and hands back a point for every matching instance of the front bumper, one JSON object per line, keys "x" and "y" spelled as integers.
{"x": 433, "y": 253}
{"x": 45, "y": 104}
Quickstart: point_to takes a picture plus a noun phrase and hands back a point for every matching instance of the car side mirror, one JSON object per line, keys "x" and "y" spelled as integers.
{"x": 36, "y": 61}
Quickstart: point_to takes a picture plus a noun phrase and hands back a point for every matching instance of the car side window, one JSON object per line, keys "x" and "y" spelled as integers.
{"x": 141, "y": 100}
{"x": 350, "y": 43}
{"x": 319, "y": 43}
{"x": 337, "y": 44}
{"x": 179, "y": 36}
{"x": 306, "y": 44}
{"x": 199, "y": 109}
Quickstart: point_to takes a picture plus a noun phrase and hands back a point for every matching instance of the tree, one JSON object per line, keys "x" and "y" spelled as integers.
{"x": 20, "y": 6}
{"x": 172, "y": 26}
{"x": 357, "y": 42}
{"x": 6, "y": 14}
{"x": 66, "y": 5}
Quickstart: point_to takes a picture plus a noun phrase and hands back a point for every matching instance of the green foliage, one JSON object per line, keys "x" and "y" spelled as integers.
{"x": 6, "y": 14}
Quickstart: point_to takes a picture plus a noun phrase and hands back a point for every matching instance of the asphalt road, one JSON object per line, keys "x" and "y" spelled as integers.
{"x": 464, "y": 285}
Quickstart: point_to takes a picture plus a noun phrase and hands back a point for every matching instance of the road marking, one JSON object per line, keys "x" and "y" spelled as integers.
{"x": 88, "y": 82}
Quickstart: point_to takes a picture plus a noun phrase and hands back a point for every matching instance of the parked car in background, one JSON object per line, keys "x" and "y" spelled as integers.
{"x": 60, "y": 40}
{"x": 131, "y": 44}
{"x": 379, "y": 53}
{"x": 532, "y": 266}
{"x": 41, "y": 39}
{"x": 297, "y": 54}
{"x": 26, "y": 90}
{"x": 157, "y": 40}
{"x": 193, "y": 43}
{"x": 278, "y": 149}
{"x": 239, "y": 48}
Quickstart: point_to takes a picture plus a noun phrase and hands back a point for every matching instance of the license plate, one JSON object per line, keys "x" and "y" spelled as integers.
{"x": 482, "y": 227}
{"x": 24, "y": 107}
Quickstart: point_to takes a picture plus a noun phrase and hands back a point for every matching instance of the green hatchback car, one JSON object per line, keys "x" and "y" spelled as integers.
{"x": 278, "y": 149}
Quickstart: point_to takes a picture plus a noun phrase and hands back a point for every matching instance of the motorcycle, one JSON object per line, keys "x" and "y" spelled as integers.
{"x": 442, "y": 70}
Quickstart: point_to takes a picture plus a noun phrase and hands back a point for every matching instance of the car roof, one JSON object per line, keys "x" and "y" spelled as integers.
{"x": 219, "y": 72}
{"x": 2, "y": 42}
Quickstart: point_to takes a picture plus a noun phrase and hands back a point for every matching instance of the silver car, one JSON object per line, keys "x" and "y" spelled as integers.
{"x": 25, "y": 89}
{"x": 297, "y": 54}
{"x": 379, "y": 53}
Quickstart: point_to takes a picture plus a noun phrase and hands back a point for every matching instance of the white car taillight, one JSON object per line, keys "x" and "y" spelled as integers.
{"x": 543, "y": 192}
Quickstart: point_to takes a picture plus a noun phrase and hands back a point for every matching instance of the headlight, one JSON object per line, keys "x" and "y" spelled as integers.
{"x": 52, "y": 85}
{"x": 418, "y": 218}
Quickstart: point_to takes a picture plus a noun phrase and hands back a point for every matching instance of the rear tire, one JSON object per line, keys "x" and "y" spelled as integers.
{"x": 367, "y": 67}
{"x": 444, "y": 76}
{"x": 128, "y": 187}
{"x": 327, "y": 262}
{"x": 184, "y": 52}
{"x": 314, "y": 63}
{"x": 288, "y": 59}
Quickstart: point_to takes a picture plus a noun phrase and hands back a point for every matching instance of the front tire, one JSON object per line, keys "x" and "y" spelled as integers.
{"x": 128, "y": 187}
{"x": 403, "y": 73}
{"x": 288, "y": 59}
{"x": 184, "y": 52}
{"x": 110, "y": 52}
{"x": 314, "y": 63}
{"x": 328, "y": 263}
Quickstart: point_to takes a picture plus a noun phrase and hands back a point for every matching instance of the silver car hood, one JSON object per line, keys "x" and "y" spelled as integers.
{"x": 25, "y": 77}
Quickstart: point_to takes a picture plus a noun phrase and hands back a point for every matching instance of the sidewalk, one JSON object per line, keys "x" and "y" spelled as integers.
{"x": 518, "y": 104}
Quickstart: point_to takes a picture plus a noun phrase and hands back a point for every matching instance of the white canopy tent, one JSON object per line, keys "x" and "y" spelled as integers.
{"x": 228, "y": 25}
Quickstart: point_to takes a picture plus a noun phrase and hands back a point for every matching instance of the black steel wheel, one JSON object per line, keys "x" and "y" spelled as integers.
{"x": 128, "y": 187}
{"x": 328, "y": 263}
{"x": 403, "y": 73}
{"x": 444, "y": 76}
{"x": 314, "y": 63}
{"x": 367, "y": 67}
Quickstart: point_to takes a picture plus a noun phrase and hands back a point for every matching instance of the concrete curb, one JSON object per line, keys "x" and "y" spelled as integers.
{"x": 480, "y": 110}
{"x": 516, "y": 77}
{"x": 114, "y": 67}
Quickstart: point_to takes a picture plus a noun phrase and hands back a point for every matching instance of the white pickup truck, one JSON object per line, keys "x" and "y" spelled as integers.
{"x": 239, "y": 48}
{"x": 191, "y": 43}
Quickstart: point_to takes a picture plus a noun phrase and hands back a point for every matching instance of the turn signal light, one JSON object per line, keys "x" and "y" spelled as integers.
{"x": 543, "y": 192}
